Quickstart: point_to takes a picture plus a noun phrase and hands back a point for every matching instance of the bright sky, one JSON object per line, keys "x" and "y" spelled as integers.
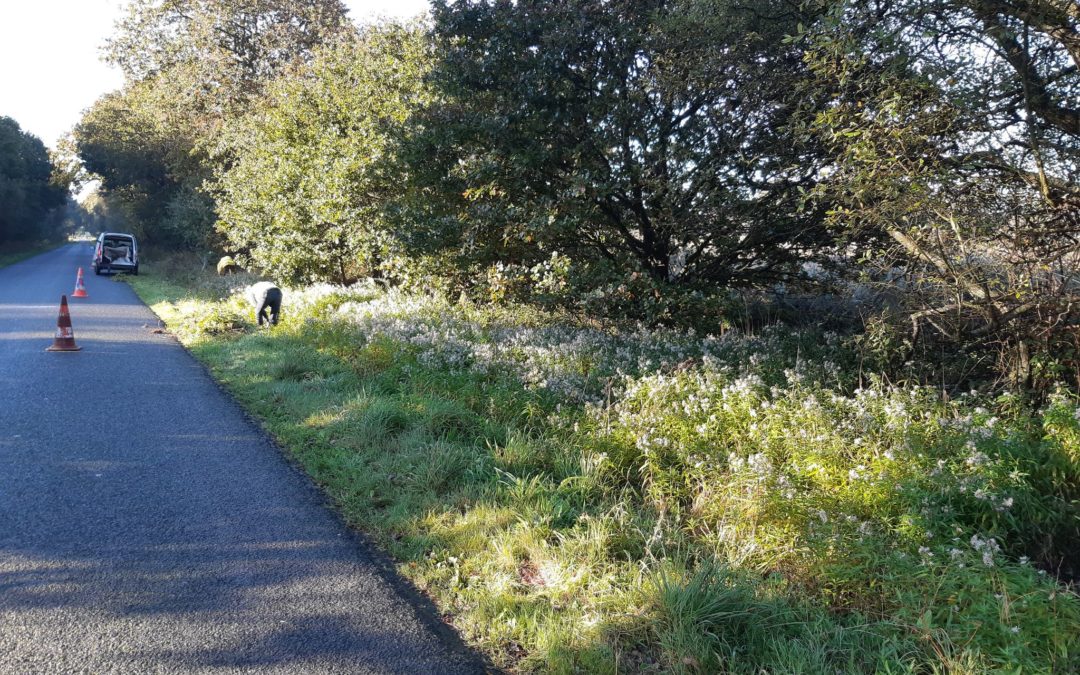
{"x": 49, "y": 65}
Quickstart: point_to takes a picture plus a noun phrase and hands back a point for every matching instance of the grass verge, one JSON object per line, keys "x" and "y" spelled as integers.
{"x": 13, "y": 253}
{"x": 581, "y": 499}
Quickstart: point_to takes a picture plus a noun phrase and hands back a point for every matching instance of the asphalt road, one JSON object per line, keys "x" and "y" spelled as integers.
{"x": 147, "y": 526}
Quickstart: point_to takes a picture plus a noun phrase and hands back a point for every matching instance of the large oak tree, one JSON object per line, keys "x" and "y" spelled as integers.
{"x": 636, "y": 137}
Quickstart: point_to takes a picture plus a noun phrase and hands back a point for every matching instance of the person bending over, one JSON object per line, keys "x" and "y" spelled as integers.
{"x": 265, "y": 296}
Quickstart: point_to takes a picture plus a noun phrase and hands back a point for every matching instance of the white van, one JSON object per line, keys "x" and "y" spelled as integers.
{"x": 116, "y": 252}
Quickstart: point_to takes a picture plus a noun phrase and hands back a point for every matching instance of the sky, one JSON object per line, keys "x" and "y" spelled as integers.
{"x": 50, "y": 70}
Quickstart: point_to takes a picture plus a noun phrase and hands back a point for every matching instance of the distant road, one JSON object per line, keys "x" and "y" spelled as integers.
{"x": 147, "y": 526}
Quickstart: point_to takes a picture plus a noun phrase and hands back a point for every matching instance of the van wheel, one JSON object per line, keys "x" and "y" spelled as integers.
{"x": 97, "y": 271}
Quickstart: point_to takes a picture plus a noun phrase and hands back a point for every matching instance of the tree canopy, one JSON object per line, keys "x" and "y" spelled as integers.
{"x": 191, "y": 67}
{"x": 305, "y": 195}
{"x": 639, "y": 136}
{"x": 953, "y": 125}
{"x": 29, "y": 193}
{"x": 227, "y": 48}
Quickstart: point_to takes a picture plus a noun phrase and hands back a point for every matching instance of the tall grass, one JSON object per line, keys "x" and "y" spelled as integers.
{"x": 605, "y": 499}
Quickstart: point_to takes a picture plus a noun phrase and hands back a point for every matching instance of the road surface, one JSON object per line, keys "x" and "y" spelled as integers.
{"x": 147, "y": 526}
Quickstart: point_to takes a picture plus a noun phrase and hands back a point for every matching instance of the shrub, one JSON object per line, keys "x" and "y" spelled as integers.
{"x": 586, "y": 498}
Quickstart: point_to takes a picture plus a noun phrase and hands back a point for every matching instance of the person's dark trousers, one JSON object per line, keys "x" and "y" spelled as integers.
{"x": 272, "y": 302}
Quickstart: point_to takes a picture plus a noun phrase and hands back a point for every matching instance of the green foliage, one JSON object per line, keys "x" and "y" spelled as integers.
{"x": 231, "y": 46}
{"x": 305, "y": 197}
{"x": 956, "y": 137}
{"x": 715, "y": 619}
{"x": 31, "y": 200}
{"x": 631, "y": 137}
{"x": 627, "y": 499}
{"x": 147, "y": 163}
{"x": 191, "y": 67}
{"x": 196, "y": 321}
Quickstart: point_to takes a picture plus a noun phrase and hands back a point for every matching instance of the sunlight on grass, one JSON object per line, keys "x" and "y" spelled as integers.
{"x": 579, "y": 499}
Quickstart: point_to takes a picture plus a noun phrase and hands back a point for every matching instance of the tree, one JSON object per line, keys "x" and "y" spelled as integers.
{"x": 955, "y": 128}
{"x": 636, "y": 137}
{"x": 191, "y": 67}
{"x": 69, "y": 173}
{"x": 141, "y": 162}
{"x": 306, "y": 194}
{"x": 31, "y": 198}
{"x": 228, "y": 49}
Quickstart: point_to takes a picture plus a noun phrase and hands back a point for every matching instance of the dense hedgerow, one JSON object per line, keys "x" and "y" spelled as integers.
{"x": 601, "y": 499}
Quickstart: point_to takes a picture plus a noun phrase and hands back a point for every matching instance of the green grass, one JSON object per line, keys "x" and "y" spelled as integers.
{"x": 17, "y": 252}
{"x": 733, "y": 506}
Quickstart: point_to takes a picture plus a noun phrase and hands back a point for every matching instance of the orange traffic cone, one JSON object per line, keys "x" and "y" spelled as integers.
{"x": 80, "y": 290}
{"x": 65, "y": 337}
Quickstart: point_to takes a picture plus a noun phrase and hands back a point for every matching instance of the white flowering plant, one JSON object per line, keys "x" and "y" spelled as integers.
{"x": 579, "y": 496}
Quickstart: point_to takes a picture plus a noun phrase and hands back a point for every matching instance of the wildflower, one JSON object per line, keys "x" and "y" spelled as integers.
{"x": 977, "y": 458}
{"x": 938, "y": 468}
{"x": 895, "y": 409}
{"x": 1014, "y": 630}
{"x": 759, "y": 464}
{"x": 986, "y": 546}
